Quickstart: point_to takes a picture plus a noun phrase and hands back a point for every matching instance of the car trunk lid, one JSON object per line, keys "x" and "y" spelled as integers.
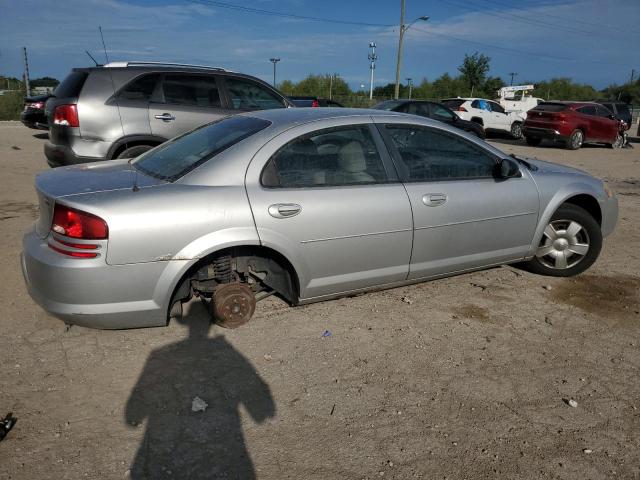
{"x": 85, "y": 179}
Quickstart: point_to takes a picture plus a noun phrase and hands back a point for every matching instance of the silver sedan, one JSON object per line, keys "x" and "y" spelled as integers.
{"x": 307, "y": 204}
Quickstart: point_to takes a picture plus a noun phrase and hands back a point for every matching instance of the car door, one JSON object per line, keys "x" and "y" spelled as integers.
{"x": 481, "y": 109}
{"x": 500, "y": 116}
{"x": 463, "y": 216}
{"x": 185, "y": 102}
{"x": 608, "y": 127}
{"x": 327, "y": 197}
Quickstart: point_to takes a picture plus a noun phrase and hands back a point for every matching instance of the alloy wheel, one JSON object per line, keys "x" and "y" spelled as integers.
{"x": 576, "y": 139}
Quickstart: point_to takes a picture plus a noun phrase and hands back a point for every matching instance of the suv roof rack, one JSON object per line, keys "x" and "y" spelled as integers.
{"x": 160, "y": 64}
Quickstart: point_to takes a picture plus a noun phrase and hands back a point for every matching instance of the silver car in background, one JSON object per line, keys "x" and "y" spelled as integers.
{"x": 309, "y": 204}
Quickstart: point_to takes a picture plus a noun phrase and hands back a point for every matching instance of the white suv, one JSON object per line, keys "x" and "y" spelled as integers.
{"x": 488, "y": 113}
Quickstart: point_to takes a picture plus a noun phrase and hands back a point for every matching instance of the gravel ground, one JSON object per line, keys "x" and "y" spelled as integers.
{"x": 465, "y": 377}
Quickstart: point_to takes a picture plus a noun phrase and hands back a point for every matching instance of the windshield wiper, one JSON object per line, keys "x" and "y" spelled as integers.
{"x": 531, "y": 167}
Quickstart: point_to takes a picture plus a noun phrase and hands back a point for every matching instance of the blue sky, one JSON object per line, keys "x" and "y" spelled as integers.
{"x": 592, "y": 41}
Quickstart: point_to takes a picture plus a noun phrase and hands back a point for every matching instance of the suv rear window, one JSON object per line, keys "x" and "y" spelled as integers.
{"x": 179, "y": 156}
{"x": 71, "y": 86}
{"x": 453, "y": 103}
{"x": 551, "y": 107}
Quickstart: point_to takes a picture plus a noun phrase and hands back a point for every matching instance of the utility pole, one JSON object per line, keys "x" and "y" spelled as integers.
{"x": 26, "y": 72}
{"x": 330, "y": 85}
{"x": 274, "y": 61}
{"x": 633, "y": 74}
{"x": 410, "y": 83}
{"x": 513, "y": 74}
{"x": 372, "y": 66}
{"x": 403, "y": 30}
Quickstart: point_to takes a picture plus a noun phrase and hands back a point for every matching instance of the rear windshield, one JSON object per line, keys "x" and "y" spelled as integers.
{"x": 551, "y": 107}
{"x": 453, "y": 103}
{"x": 71, "y": 86}
{"x": 179, "y": 156}
{"x": 388, "y": 105}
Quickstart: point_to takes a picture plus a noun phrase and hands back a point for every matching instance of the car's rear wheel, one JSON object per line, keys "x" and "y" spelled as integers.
{"x": 533, "y": 141}
{"x": 570, "y": 244}
{"x": 575, "y": 140}
{"x": 516, "y": 130}
{"x": 134, "y": 151}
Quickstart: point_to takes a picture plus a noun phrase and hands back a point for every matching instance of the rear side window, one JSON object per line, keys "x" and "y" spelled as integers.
{"x": 453, "y": 103}
{"x": 177, "y": 157}
{"x": 71, "y": 86}
{"x": 329, "y": 157}
{"x": 603, "y": 111}
{"x": 195, "y": 90}
{"x": 428, "y": 154}
{"x": 141, "y": 88}
{"x": 247, "y": 95}
{"x": 589, "y": 110}
{"x": 551, "y": 107}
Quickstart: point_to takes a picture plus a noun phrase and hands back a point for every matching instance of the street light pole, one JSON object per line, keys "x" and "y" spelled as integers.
{"x": 274, "y": 61}
{"x": 403, "y": 30}
{"x": 372, "y": 57}
{"x": 410, "y": 83}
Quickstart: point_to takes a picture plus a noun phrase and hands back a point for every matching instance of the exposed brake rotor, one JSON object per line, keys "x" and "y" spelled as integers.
{"x": 233, "y": 304}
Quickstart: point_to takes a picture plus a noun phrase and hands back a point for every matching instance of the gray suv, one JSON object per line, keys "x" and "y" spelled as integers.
{"x": 123, "y": 109}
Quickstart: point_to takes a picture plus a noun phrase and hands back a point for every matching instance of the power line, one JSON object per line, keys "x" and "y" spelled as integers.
{"x": 272, "y": 13}
{"x": 514, "y": 50}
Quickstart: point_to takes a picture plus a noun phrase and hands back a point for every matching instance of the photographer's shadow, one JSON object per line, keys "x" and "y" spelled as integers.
{"x": 181, "y": 443}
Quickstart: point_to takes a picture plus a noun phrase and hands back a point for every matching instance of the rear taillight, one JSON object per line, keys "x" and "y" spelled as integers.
{"x": 461, "y": 109}
{"x": 36, "y": 105}
{"x": 66, "y": 115}
{"x": 315, "y": 103}
{"x": 76, "y": 224}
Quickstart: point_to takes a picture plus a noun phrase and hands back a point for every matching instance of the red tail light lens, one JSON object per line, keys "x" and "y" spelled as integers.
{"x": 461, "y": 109}
{"x": 78, "y": 224}
{"x": 35, "y": 105}
{"x": 66, "y": 115}
{"x": 315, "y": 103}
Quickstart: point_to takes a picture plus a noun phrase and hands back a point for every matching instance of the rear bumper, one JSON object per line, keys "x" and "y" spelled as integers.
{"x": 61, "y": 155}
{"x": 546, "y": 133}
{"x": 91, "y": 293}
{"x": 34, "y": 120}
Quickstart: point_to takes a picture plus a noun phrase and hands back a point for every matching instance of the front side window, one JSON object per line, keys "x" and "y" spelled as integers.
{"x": 440, "y": 112}
{"x": 590, "y": 110}
{"x": 428, "y": 154}
{"x": 140, "y": 89}
{"x": 179, "y": 156}
{"x": 195, "y": 90}
{"x": 330, "y": 157}
{"x": 247, "y": 95}
{"x": 603, "y": 111}
{"x": 496, "y": 107}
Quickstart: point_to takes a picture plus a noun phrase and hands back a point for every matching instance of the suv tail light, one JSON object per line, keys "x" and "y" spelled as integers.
{"x": 74, "y": 224}
{"x": 315, "y": 103}
{"x": 461, "y": 109}
{"x": 66, "y": 115}
{"x": 36, "y": 105}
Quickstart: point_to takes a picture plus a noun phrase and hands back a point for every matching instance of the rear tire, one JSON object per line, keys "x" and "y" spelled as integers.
{"x": 516, "y": 130}
{"x": 134, "y": 151}
{"x": 533, "y": 141}
{"x": 571, "y": 243}
{"x": 575, "y": 140}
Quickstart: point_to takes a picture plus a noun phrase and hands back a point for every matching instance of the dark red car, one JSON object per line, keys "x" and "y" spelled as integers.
{"x": 573, "y": 123}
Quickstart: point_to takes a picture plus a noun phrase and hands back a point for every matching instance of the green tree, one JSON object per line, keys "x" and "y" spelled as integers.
{"x": 474, "y": 70}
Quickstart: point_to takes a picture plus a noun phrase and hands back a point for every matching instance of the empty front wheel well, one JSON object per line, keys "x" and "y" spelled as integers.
{"x": 588, "y": 203}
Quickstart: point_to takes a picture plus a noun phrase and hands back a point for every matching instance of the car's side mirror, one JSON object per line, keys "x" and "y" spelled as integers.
{"x": 507, "y": 169}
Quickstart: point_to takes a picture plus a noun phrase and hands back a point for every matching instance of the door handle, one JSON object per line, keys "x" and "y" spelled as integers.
{"x": 165, "y": 117}
{"x": 434, "y": 199}
{"x": 284, "y": 210}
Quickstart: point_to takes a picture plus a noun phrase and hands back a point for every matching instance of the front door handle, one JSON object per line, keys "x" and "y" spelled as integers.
{"x": 166, "y": 117}
{"x": 434, "y": 199}
{"x": 284, "y": 210}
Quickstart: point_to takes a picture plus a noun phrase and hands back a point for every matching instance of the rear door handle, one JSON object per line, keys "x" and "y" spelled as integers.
{"x": 434, "y": 199}
{"x": 284, "y": 210}
{"x": 166, "y": 117}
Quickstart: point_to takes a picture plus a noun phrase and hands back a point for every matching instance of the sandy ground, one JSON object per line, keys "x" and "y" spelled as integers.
{"x": 468, "y": 380}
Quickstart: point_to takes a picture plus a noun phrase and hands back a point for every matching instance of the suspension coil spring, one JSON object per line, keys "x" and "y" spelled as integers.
{"x": 222, "y": 269}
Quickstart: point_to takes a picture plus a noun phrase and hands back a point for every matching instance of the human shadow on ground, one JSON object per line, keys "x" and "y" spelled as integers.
{"x": 178, "y": 442}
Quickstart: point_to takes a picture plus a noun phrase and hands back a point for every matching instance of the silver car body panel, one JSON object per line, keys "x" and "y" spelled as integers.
{"x": 344, "y": 240}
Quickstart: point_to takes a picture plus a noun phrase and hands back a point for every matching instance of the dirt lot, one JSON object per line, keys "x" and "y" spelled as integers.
{"x": 466, "y": 377}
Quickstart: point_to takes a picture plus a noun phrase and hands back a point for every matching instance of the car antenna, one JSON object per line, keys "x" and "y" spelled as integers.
{"x": 91, "y": 57}
{"x": 103, "y": 44}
